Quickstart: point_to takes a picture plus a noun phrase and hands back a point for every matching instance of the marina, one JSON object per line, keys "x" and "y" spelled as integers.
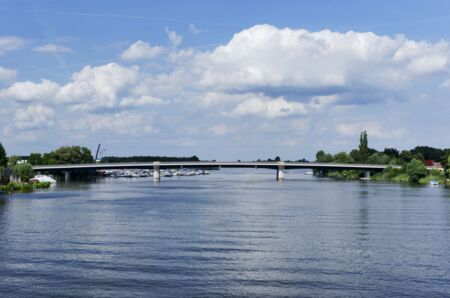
{"x": 137, "y": 173}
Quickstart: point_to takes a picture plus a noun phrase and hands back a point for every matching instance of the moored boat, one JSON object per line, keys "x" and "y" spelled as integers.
{"x": 43, "y": 178}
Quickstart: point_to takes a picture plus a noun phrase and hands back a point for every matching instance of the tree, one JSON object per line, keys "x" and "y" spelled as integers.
{"x": 406, "y": 156}
{"x": 389, "y": 173}
{"x": 363, "y": 147}
{"x": 342, "y": 157}
{"x": 321, "y": 156}
{"x": 428, "y": 152}
{"x": 448, "y": 165}
{"x": 277, "y": 158}
{"x": 378, "y": 159}
{"x": 12, "y": 160}
{"x": 69, "y": 155}
{"x": 354, "y": 154}
{"x": 3, "y": 158}
{"x": 23, "y": 170}
{"x": 415, "y": 170}
{"x": 391, "y": 152}
{"x": 35, "y": 159}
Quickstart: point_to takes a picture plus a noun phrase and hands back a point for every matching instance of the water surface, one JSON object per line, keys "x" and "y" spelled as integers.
{"x": 233, "y": 233}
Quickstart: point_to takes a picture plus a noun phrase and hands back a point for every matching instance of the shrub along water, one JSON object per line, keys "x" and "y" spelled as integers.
{"x": 23, "y": 186}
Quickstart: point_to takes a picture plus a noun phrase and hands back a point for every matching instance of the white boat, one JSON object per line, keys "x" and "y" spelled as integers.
{"x": 434, "y": 183}
{"x": 43, "y": 178}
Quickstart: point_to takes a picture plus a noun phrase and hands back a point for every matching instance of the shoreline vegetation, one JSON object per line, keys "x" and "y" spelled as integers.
{"x": 23, "y": 186}
{"x": 407, "y": 166}
{"x": 412, "y": 164}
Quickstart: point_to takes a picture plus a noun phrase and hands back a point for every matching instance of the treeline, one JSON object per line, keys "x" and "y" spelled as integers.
{"x": 114, "y": 159}
{"x": 62, "y": 155}
{"x": 365, "y": 154}
{"x": 411, "y": 161}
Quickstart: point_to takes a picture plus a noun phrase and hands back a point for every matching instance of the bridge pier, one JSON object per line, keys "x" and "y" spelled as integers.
{"x": 156, "y": 171}
{"x": 367, "y": 175}
{"x": 280, "y": 171}
{"x": 66, "y": 176}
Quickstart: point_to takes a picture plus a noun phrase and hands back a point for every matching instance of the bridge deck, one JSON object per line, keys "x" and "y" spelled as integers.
{"x": 201, "y": 164}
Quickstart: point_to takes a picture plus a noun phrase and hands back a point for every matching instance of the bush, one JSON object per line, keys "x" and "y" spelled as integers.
{"x": 402, "y": 178}
{"x": 26, "y": 187}
{"x": 436, "y": 175}
{"x": 416, "y": 170}
{"x": 11, "y": 187}
{"x": 24, "y": 171}
{"x": 345, "y": 175}
{"x": 40, "y": 185}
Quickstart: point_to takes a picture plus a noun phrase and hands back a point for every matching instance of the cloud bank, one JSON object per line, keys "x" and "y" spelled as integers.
{"x": 263, "y": 74}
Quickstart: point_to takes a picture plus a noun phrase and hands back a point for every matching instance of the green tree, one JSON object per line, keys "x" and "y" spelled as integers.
{"x": 416, "y": 170}
{"x": 342, "y": 157}
{"x": 388, "y": 173}
{"x": 321, "y": 156}
{"x": 3, "y": 158}
{"x": 354, "y": 154}
{"x": 35, "y": 159}
{"x": 12, "y": 160}
{"x": 428, "y": 152}
{"x": 70, "y": 155}
{"x": 23, "y": 170}
{"x": 363, "y": 147}
{"x": 448, "y": 166}
{"x": 378, "y": 159}
{"x": 406, "y": 156}
{"x": 391, "y": 152}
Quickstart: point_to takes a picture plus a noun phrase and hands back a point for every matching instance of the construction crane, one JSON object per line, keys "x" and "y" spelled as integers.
{"x": 96, "y": 154}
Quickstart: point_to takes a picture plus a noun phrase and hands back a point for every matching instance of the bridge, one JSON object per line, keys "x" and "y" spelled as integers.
{"x": 279, "y": 166}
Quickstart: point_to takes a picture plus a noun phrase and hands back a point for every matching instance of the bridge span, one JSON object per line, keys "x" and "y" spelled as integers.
{"x": 156, "y": 166}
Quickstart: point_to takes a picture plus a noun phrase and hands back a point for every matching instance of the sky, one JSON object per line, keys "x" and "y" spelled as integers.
{"x": 223, "y": 80}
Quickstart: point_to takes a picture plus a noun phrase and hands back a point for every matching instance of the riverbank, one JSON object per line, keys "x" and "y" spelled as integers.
{"x": 23, "y": 187}
{"x": 392, "y": 175}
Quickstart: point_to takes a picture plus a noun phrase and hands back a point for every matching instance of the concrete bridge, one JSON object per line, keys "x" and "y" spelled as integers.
{"x": 157, "y": 166}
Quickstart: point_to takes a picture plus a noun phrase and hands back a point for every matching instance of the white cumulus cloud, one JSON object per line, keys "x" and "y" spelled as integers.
{"x": 29, "y": 91}
{"x": 272, "y": 108}
{"x": 33, "y": 116}
{"x": 267, "y": 59}
{"x": 141, "y": 101}
{"x": 121, "y": 123}
{"x": 96, "y": 87}
{"x": 141, "y": 50}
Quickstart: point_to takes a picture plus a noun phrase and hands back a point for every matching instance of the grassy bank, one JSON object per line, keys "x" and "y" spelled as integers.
{"x": 23, "y": 187}
{"x": 392, "y": 175}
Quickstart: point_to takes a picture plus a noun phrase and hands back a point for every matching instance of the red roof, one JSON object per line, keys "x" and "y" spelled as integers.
{"x": 428, "y": 162}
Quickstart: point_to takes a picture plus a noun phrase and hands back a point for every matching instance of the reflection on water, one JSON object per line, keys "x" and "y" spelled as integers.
{"x": 233, "y": 233}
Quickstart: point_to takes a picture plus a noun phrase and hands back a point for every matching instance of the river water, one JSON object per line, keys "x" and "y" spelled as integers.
{"x": 232, "y": 233}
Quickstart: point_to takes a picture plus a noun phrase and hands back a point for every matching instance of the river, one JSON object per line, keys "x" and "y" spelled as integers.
{"x": 232, "y": 233}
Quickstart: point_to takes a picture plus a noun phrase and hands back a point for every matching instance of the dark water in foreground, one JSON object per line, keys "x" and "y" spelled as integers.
{"x": 233, "y": 233}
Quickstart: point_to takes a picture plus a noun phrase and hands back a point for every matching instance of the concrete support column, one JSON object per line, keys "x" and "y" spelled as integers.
{"x": 66, "y": 176}
{"x": 280, "y": 171}
{"x": 156, "y": 171}
{"x": 367, "y": 174}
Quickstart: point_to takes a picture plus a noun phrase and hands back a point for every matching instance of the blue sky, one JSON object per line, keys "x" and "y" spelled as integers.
{"x": 223, "y": 79}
